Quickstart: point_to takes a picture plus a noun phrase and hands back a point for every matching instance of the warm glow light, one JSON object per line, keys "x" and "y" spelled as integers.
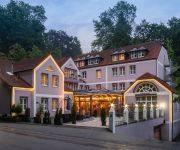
{"x": 112, "y": 105}
{"x": 157, "y": 106}
{"x": 126, "y": 106}
{"x": 136, "y": 105}
{"x": 162, "y": 105}
{"x": 144, "y": 105}
{"x": 151, "y": 105}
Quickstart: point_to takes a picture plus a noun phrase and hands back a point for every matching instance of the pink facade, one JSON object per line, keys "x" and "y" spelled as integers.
{"x": 154, "y": 66}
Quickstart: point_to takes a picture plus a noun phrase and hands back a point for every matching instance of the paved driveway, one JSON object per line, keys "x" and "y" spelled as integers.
{"x": 32, "y": 137}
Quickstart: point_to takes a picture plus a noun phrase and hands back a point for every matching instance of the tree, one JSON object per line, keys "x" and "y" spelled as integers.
{"x": 61, "y": 44}
{"x": 16, "y": 52}
{"x": 114, "y": 27}
{"x": 21, "y": 23}
{"x": 146, "y": 31}
{"x": 35, "y": 52}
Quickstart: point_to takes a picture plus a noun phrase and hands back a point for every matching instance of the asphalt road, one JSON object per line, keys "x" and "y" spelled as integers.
{"x": 40, "y": 137}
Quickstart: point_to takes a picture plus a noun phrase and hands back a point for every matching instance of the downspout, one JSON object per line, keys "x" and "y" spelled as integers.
{"x": 172, "y": 118}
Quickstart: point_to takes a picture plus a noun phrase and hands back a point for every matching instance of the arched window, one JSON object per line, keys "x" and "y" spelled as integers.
{"x": 146, "y": 88}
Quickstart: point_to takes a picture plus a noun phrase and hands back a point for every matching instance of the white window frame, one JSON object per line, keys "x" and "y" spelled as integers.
{"x": 115, "y": 71}
{"x": 55, "y": 80}
{"x": 55, "y": 102}
{"x": 122, "y": 86}
{"x": 24, "y": 102}
{"x": 134, "y": 54}
{"x": 132, "y": 69}
{"x": 99, "y": 75}
{"x": 84, "y": 74}
{"x": 44, "y": 102}
{"x": 140, "y": 54}
{"x": 122, "y": 71}
{"x": 44, "y": 81}
{"x": 114, "y": 86}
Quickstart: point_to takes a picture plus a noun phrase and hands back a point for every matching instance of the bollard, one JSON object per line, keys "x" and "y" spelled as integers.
{"x": 136, "y": 113}
{"x": 152, "y": 112}
{"x": 112, "y": 119}
{"x": 157, "y": 111}
{"x": 144, "y": 112}
{"x": 126, "y": 114}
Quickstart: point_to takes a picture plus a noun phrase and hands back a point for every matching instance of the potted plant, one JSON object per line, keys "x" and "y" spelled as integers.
{"x": 27, "y": 115}
{"x": 103, "y": 116}
{"x": 40, "y": 114}
{"x": 18, "y": 110}
{"x": 73, "y": 113}
{"x": 13, "y": 111}
{"x": 58, "y": 117}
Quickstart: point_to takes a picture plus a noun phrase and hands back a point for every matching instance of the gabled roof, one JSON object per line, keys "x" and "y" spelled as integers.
{"x": 150, "y": 76}
{"x": 152, "y": 47}
{"x": 28, "y": 63}
{"x": 7, "y": 76}
{"x": 61, "y": 61}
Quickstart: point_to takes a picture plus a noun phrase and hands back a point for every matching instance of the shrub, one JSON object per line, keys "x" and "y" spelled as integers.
{"x": 13, "y": 110}
{"x": 103, "y": 116}
{"x": 58, "y": 117}
{"x": 73, "y": 113}
{"x": 46, "y": 119}
{"x": 18, "y": 109}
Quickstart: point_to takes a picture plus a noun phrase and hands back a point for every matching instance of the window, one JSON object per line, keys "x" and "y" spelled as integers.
{"x": 96, "y": 61}
{"x": 134, "y": 54}
{"x": 114, "y": 86}
{"x": 87, "y": 87}
{"x": 84, "y": 74}
{"x": 137, "y": 54}
{"x": 54, "y": 103}
{"x": 121, "y": 86}
{"x": 55, "y": 81}
{"x": 24, "y": 103}
{"x": 115, "y": 58}
{"x": 146, "y": 88}
{"x": 121, "y": 57}
{"x": 122, "y": 71}
{"x": 81, "y": 87}
{"x": 44, "y": 79}
{"x": 132, "y": 70}
{"x": 114, "y": 71}
{"x": 140, "y": 54}
{"x": 44, "y": 102}
{"x": 81, "y": 63}
{"x": 98, "y": 74}
{"x": 98, "y": 86}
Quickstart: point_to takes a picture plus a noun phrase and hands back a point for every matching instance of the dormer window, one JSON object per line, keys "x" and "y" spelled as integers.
{"x": 115, "y": 58}
{"x": 81, "y": 63}
{"x": 93, "y": 61}
{"x": 134, "y": 54}
{"x": 140, "y": 54}
{"x": 121, "y": 57}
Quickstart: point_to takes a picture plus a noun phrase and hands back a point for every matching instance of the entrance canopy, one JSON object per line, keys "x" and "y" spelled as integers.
{"x": 90, "y": 102}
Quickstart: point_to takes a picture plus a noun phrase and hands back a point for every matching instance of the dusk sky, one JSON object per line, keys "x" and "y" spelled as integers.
{"x": 76, "y": 16}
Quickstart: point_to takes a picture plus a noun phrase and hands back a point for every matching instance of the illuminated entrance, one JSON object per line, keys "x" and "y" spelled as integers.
{"x": 89, "y": 103}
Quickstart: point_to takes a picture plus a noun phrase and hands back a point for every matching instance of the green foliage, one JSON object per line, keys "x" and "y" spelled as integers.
{"x": 61, "y": 44}
{"x": 73, "y": 113}
{"x": 13, "y": 108}
{"x": 114, "y": 27}
{"x": 35, "y": 52}
{"x": 103, "y": 116}
{"x": 24, "y": 24}
{"x": 40, "y": 109}
{"x": 21, "y": 23}
{"x": 58, "y": 117}
{"x": 18, "y": 109}
{"x": 16, "y": 52}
